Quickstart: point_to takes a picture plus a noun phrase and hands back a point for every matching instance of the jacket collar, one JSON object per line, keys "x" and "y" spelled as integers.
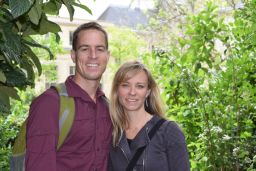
{"x": 140, "y": 140}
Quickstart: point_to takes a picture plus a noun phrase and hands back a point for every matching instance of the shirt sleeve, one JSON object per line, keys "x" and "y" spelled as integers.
{"x": 42, "y": 132}
{"x": 177, "y": 152}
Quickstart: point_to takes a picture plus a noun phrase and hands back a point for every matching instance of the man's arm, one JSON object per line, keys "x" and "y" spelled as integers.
{"x": 42, "y": 132}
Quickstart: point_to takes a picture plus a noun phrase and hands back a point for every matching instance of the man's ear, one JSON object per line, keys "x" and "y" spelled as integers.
{"x": 73, "y": 56}
{"x": 108, "y": 55}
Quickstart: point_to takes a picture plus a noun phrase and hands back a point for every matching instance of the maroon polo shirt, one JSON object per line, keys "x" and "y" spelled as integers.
{"x": 87, "y": 145}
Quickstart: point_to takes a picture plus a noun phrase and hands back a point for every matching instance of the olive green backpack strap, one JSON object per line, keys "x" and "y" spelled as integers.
{"x": 66, "y": 119}
{"x": 19, "y": 146}
{"x": 66, "y": 113}
{"x": 17, "y": 158}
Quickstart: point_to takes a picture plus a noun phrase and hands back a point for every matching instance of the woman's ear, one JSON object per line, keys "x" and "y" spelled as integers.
{"x": 148, "y": 92}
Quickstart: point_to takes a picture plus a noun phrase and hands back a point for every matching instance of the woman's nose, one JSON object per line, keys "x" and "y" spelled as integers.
{"x": 132, "y": 90}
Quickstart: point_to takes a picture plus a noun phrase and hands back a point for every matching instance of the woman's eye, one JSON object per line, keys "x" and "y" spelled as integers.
{"x": 140, "y": 86}
{"x": 124, "y": 85}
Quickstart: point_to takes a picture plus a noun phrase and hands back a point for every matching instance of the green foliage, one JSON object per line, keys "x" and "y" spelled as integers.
{"x": 50, "y": 40}
{"x": 210, "y": 91}
{"x": 125, "y": 45}
{"x": 50, "y": 73}
{"x": 9, "y": 125}
{"x": 19, "y": 20}
{"x": 49, "y": 67}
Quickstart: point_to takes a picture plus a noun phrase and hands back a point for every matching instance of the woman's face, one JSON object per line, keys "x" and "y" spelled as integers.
{"x": 133, "y": 91}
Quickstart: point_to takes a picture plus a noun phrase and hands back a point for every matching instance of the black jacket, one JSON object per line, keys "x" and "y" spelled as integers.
{"x": 166, "y": 151}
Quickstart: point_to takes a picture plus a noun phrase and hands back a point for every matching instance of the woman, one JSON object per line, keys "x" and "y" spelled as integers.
{"x": 135, "y": 107}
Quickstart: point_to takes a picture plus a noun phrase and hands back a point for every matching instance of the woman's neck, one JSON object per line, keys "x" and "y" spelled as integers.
{"x": 136, "y": 121}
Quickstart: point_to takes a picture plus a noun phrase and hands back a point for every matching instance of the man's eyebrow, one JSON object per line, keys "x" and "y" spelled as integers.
{"x": 103, "y": 46}
{"x": 82, "y": 46}
{"x": 98, "y": 46}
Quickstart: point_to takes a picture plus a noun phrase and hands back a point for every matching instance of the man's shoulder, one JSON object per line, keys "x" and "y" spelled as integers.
{"x": 49, "y": 93}
{"x": 43, "y": 113}
{"x": 49, "y": 96}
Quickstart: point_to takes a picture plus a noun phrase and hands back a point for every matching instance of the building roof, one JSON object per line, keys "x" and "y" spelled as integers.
{"x": 124, "y": 16}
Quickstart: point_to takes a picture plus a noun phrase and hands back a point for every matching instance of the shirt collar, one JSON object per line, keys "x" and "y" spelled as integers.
{"x": 74, "y": 90}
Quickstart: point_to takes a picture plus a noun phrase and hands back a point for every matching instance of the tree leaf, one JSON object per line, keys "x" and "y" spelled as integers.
{"x": 34, "y": 58}
{"x": 3, "y": 108}
{"x": 35, "y": 13}
{"x": 31, "y": 42}
{"x": 52, "y": 7}
{"x": 2, "y": 77}
{"x": 70, "y": 8}
{"x": 25, "y": 64}
{"x": 57, "y": 37}
{"x": 19, "y": 7}
{"x": 47, "y": 26}
{"x": 11, "y": 49}
{"x": 83, "y": 7}
{"x": 4, "y": 101}
{"x": 9, "y": 92}
{"x": 30, "y": 31}
{"x": 9, "y": 54}
{"x": 15, "y": 77}
{"x": 1, "y": 58}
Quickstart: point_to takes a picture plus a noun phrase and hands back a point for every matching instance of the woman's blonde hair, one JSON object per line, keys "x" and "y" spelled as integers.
{"x": 153, "y": 103}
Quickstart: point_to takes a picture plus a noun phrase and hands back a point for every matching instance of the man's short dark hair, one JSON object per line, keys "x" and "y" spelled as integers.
{"x": 88, "y": 26}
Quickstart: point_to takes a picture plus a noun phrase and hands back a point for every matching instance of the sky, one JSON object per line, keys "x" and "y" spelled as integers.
{"x": 98, "y": 6}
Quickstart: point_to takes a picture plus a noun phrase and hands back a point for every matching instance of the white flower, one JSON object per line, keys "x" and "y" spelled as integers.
{"x": 226, "y": 137}
{"x": 216, "y": 129}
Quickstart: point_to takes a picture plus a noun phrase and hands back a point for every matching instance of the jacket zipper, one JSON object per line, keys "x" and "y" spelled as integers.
{"x": 124, "y": 154}
{"x": 145, "y": 154}
{"x": 143, "y": 163}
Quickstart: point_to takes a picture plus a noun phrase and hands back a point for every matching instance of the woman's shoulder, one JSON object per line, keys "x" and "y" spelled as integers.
{"x": 173, "y": 125}
{"x": 167, "y": 124}
{"x": 173, "y": 132}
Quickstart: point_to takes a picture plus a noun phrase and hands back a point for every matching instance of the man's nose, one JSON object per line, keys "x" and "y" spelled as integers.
{"x": 92, "y": 53}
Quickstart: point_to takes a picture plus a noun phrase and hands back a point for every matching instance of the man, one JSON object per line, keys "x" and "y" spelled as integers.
{"x": 87, "y": 145}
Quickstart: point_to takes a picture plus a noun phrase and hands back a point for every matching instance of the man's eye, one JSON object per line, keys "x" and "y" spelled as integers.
{"x": 101, "y": 49}
{"x": 84, "y": 49}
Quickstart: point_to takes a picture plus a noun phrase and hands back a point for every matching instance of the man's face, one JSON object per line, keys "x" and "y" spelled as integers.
{"x": 91, "y": 56}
